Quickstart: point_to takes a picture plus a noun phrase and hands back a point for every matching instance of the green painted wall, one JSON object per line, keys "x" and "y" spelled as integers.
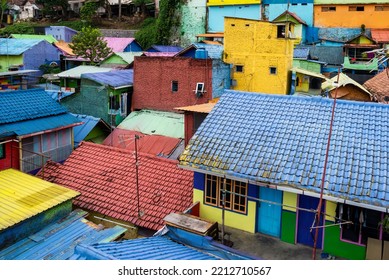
{"x": 114, "y": 59}
{"x": 7, "y": 60}
{"x": 97, "y": 135}
{"x": 288, "y": 226}
{"x": 307, "y": 65}
{"x": 334, "y": 246}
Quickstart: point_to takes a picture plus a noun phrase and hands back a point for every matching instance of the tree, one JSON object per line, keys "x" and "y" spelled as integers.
{"x": 3, "y": 7}
{"x": 90, "y": 45}
{"x": 51, "y": 7}
{"x": 88, "y": 11}
{"x": 143, "y": 5}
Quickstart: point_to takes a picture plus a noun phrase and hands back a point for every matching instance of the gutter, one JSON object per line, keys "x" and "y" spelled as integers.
{"x": 290, "y": 189}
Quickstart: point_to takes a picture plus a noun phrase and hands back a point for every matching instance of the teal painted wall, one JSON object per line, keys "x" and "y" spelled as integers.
{"x": 334, "y": 246}
{"x": 307, "y": 65}
{"x": 193, "y": 18}
{"x": 288, "y": 226}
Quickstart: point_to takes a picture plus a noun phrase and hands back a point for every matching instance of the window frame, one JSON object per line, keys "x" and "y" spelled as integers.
{"x": 273, "y": 70}
{"x": 356, "y": 8}
{"x": 174, "y": 86}
{"x": 381, "y": 8}
{"x": 2, "y": 151}
{"x": 236, "y": 194}
{"x": 326, "y": 9}
{"x": 239, "y": 68}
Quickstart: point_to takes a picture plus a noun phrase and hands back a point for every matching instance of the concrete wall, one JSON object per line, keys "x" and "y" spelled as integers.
{"x": 61, "y": 33}
{"x": 10, "y": 158}
{"x": 221, "y": 77}
{"x": 193, "y": 20}
{"x": 216, "y": 15}
{"x": 153, "y": 78}
{"x": 255, "y": 46}
{"x": 8, "y": 60}
{"x": 369, "y": 17}
{"x": 41, "y": 53}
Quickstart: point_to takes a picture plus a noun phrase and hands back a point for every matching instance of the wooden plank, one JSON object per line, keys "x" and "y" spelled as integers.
{"x": 188, "y": 222}
{"x": 373, "y": 249}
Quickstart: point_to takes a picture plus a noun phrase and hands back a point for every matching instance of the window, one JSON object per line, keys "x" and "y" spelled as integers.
{"x": 2, "y": 151}
{"x": 123, "y": 104}
{"x": 281, "y": 31}
{"x": 356, "y": 8}
{"x": 174, "y": 86}
{"x": 235, "y": 194}
{"x": 273, "y": 70}
{"x": 199, "y": 87}
{"x": 381, "y": 8}
{"x": 239, "y": 68}
{"x": 328, "y": 9}
{"x": 365, "y": 223}
{"x": 114, "y": 104}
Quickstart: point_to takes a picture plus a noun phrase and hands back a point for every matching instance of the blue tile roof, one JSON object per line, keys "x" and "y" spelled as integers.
{"x": 30, "y": 104}
{"x": 282, "y": 140}
{"x": 16, "y": 46}
{"x": 57, "y": 241}
{"x": 114, "y": 79}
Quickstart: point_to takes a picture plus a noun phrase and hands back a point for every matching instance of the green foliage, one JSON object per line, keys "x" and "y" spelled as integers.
{"x": 48, "y": 6}
{"x": 3, "y": 7}
{"x": 167, "y": 20}
{"x": 385, "y": 223}
{"x": 88, "y": 11}
{"x": 89, "y": 44}
{"x": 17, "y": 28}
{"x": 146, "y": 35}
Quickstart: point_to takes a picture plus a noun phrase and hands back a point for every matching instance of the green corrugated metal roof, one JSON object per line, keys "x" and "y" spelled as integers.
{"x": 48, "y": 38}
{"x": 126, "y": 56}
{"x": 83, "y": 69}
{"x": 346, "y": 2}
{"x": 23, "y": 196}
{"x": 155, "y": 122}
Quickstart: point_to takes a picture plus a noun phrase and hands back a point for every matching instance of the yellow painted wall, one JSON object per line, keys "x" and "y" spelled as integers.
{"x": 231, "y": 2}
{"x": 303, "y": 84}
{"x": 330, "y": 211}
{"x": 342, "y": 17}
{"x": 231, "y": 219}
{"x": 289, "y": 199}
{"x": 254, "y": 44}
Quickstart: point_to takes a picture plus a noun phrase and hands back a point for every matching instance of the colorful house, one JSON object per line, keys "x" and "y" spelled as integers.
{"x": 332, "y": 13}
{"x": 162, "y": 48}
{"x": 35, "y": 131}
{"x": 303, "y": 60}
{"x": 92, "y": 129}
{"x": 36, "y": 202}
{"x": 61, "y": 33}
{"x": 302, "y": 8}
{"x": 259, "y": 159}
{"x": 49, "y": 38}
{"x": 346, "y": 88}
{"x": 219, "y": 9}
{"x": 261, "y": 55}
{"x": 103, "y": 94}
{"x": 117, "y": 185}
{"x": 120, "y": 60}
{"x": 378, "y": 86}
{"x": 297, "y": 26}
{"x": 26, "y": 54}
{"x": 174, "y": 82}
{"x": 305, "y": 82}
{"x": 221, "y": 72}
{"x": 118, "y": 44}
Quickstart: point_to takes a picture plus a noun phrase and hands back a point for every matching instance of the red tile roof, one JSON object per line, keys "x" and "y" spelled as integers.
{"x": 149, "y": 144}
{"x": 106, "y": 178}
{"x": 379, "y": 87}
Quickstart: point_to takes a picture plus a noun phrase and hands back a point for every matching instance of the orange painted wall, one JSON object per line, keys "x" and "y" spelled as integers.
{"x": 342, "y": 17}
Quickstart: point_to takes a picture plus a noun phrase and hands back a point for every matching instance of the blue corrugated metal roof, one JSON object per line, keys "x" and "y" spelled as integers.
{"x": 37, "y": 125}
{"x": 214, "y": 51}
{"x": 282, "y": 140}
{"x": 58, "y": 240}
{"x": 120, "y": 78}
{"x": 81, "y": 131}
{"x": 161, "y": 48}
{"x": 30, "y": 104}
{"x": 302, "y": 53}
{"x": 16, "y": 46}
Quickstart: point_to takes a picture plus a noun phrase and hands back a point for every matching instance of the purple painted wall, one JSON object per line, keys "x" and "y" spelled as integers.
{"x": 42, "y": 53}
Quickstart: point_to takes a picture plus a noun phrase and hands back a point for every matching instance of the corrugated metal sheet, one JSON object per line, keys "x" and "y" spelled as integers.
{"x": 308, "y": 73}
{"x": 64, "y": 46}
{"x": 158, "y": 54}
{"x": 214, "y": 51}
{"x": 76, "y": 72}
{"x": 343, "y": 81}
{"x": 81, "y": 131}
{"x": 48, "y": 38}
{"x": 23, "y": 196}
{"x": 329, "y": 54}
{"x": 150, "y": 144}
{"x": 115, "y": 79}
{"x": 152, "y": 248}
{"x": 155, "y": 122}
{"x": 282, "y": 140}
{"x": 29, "y": 104}
{"x": 161, "y": 48}
{"x": 37, "y": 125}
{"x": 16, "y": 46}
{"x": 57, "y": 241}
{"x": 201, "y": 108}
{"x": 380, "y": 35}
{"x": 128, "y": 56}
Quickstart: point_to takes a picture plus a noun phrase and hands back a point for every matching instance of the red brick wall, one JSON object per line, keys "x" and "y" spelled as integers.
{"x": 153, "y": 78}
{"x": 11, "y": 159}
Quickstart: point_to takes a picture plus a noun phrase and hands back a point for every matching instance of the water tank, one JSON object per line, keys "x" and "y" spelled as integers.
{"x": 201, "y": 53}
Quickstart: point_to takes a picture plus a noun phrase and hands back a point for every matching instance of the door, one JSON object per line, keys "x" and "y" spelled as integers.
{"x": 269, "y": 214}
{"x": 305, "y": 221}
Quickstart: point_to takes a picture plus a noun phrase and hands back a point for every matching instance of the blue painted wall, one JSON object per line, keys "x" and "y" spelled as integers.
{"x": 216, "y": 15}
{"x": 41, "y": 53}
{"x": 304, "y": 9}
{"x": 133, "y": 47}
{"x": 61, "y": 33}
{"x": 221, "y": 77}
{"x": 340, "y": 35}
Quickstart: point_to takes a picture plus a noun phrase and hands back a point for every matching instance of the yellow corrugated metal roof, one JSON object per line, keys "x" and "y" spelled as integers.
{"x": 201, "y": 108}
{"x": 308, "y": 73}
{"x": 23, "y": 196}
